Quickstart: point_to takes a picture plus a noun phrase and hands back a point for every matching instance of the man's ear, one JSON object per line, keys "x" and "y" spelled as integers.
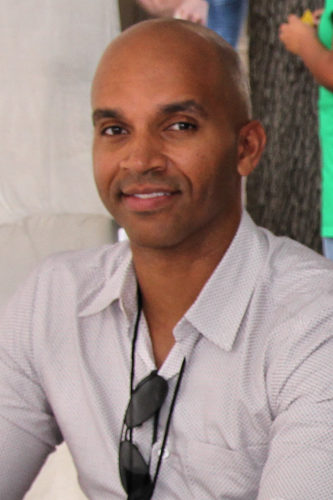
{"x": 251, "y": 143}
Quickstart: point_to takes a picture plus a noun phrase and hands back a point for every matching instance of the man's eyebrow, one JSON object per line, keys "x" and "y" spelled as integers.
{"x": 183, "y": 106}
{"x": 168, "y": 109}
{"x": 100, "y": 114}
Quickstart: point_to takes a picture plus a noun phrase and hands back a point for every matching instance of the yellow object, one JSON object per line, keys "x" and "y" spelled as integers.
{"x": 307, "y": 18}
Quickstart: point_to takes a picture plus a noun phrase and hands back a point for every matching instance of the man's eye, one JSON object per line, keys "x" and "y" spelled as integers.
{"x": 182, "y": 126}
{"x": 114, "y": 130}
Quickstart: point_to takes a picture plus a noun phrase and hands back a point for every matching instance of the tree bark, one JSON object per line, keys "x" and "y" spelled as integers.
{"x": 130, "y": 13}
{"x": 283, "y": 193}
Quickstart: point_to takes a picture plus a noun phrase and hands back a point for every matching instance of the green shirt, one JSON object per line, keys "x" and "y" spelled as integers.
{"x": 325, "y": 107}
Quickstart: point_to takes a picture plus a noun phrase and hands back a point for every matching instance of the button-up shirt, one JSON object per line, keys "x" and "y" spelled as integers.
{"x": 254, "y": 413}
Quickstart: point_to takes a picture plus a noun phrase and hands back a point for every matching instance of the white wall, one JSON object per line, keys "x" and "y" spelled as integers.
{"x": 49, "y": 51}
{"x": 48, "y": 201}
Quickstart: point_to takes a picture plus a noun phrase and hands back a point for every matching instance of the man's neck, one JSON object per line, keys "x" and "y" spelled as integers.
{"x": 170, "y": 280}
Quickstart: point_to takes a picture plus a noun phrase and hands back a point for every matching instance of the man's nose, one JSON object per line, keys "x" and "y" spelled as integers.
{"x": 143, "y": 153}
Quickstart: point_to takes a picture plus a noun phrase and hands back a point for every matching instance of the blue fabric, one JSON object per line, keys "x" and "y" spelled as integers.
{"x": 226, "y": 18}
{"x": 328, "y": 248}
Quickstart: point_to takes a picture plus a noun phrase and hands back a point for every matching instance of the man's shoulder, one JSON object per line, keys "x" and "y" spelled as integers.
{"x": 288, "y": 257}
{"x": 106, "y": 258}
{"x": 294, "y": 277}
{"x": 280, "y": 258}
{"x": 77, "y": 274}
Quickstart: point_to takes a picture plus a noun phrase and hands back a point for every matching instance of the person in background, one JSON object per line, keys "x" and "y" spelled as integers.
{"x": 225, "y": 17}
{"x": 160, "y": 7}
{"x": 313, "y": 44}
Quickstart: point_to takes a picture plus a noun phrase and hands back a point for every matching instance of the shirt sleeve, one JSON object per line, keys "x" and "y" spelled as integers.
{"x": 300, "y": 384}
{"x": 28, "y": 430}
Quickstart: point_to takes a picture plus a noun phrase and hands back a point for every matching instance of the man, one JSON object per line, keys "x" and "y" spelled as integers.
{"x": 237, "y": 322}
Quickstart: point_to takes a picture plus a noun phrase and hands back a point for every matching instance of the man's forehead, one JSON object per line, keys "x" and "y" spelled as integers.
{"x": 163, "y": 90}
{"x": 186, "y": 106}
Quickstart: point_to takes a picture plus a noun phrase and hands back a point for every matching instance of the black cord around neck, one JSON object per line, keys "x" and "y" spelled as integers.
{"x": 174, "y": 397}
{"x": 135, "y": 336}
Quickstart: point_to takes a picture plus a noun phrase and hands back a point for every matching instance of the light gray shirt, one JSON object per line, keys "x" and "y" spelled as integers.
{"x": 254, "y": 415}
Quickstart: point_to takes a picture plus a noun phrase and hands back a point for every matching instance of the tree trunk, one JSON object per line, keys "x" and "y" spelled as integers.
{"x": 283, "y": 193}
{"x": 130, "y": 13}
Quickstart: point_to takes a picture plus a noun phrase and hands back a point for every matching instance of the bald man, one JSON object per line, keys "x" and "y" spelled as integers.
{"x": 194, "y": 360}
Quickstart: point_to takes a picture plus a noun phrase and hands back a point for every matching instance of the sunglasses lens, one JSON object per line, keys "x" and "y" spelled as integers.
{"x": 147, "y": 398}
{"x": 134, "y": 472}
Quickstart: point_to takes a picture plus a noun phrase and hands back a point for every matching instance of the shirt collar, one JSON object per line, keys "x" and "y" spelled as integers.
{"x": 117, "y": 282}
{"x": 220, "y": 307}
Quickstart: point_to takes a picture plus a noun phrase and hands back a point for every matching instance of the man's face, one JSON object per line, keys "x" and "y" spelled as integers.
{"x": 165, "y": 150}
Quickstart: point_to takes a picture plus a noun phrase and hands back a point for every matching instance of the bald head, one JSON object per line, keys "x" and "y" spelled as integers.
{"x": 141, "y": 48}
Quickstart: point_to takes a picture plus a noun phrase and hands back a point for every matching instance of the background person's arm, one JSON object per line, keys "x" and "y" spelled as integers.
{"x": 160, "y": 7}
{"x": 302, "y": 40}
{"x": 193, "y": 10}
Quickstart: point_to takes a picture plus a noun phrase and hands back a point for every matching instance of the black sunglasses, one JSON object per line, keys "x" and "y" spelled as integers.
{"x": 145, "y": 402}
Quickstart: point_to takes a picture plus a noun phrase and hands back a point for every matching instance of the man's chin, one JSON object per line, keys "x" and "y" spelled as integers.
{"x": 160, "y": 239}
{"x": 149, "y": 242}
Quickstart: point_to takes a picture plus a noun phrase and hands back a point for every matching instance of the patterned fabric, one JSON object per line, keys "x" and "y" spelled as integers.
{"x": 253, "y": 419}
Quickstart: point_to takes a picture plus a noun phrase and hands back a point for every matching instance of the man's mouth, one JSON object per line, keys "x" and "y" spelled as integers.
{"x": 147, "y": 199}
{"x": 146, "y": 196}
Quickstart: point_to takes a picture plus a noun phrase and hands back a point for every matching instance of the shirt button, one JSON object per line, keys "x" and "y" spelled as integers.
{"x": 166, "y": 453}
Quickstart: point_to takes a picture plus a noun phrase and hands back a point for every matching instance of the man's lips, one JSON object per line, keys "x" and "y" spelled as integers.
{"x": 148, "y": 198}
